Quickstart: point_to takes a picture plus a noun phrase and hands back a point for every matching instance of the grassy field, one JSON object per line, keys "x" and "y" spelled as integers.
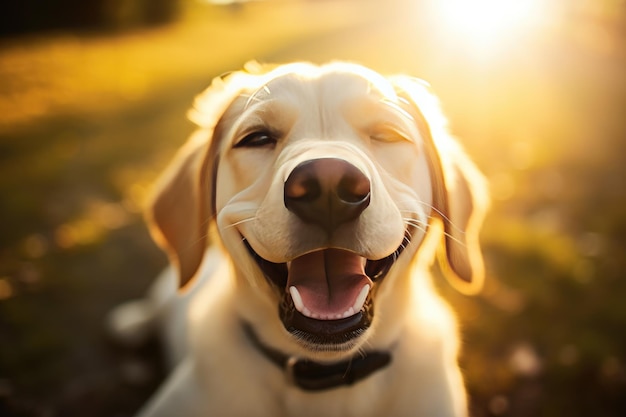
{"x": 88, "y": 120}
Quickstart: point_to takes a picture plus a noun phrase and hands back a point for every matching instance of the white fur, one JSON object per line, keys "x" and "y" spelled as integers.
{"x": 340, "y": 111}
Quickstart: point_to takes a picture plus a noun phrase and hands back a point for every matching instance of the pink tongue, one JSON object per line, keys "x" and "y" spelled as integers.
{"x": 328, "y": 281}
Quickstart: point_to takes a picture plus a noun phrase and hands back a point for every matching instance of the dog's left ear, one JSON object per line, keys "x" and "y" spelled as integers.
{"x": 179, "y": 211}
{"x": 182, "y": 206}
{"x": 460, "y": 196}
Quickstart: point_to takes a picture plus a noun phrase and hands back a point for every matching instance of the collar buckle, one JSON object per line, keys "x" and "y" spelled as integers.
{"x": 290, "y": 372}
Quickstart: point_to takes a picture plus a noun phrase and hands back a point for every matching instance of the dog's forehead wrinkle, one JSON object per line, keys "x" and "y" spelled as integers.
{"x": 285, "y": 86}
{"x": 357, "y": 79}
{"x": 328, "y": 86}
{"x": 319, "y": 98}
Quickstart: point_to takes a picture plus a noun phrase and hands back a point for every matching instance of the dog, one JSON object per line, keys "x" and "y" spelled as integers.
{"x": 301, "y": 221}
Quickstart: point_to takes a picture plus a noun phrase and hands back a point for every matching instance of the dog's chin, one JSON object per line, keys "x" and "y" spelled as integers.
{"x": 338, "y": 335}
{"x": 335, "y": 331}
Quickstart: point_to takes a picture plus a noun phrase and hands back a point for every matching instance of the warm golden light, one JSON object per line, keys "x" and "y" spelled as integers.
{"x": 485, "y": 24}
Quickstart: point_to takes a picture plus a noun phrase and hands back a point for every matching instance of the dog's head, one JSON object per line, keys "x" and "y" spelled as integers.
{"x": 323, "y": 183}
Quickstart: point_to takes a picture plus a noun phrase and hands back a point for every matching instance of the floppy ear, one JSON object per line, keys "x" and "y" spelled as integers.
{"x": 460, "y": 197}
{"x": 183, "y": 202}
{"x": 462, "y": 204}
{"x": 180, "y": 209}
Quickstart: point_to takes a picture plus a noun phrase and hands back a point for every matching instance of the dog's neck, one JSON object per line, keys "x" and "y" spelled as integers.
{"x": 313, "y": 376}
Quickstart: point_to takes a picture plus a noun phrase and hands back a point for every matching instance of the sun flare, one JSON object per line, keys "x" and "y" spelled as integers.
{"x": 483, "y": 24}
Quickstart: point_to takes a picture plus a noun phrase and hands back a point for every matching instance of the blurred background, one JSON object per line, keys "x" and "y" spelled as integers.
{"x": 93, "y": 97}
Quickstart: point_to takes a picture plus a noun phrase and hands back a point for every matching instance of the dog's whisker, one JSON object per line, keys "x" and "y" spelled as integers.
{"x": 425, "y": 226}
{"x": 203, "y": 237}
{"x": 396, "y": 108}
{"x": 443, "y": 217}
{"x": 417, "y": 225}
{"x": 253, "y": 96}
{"x": 250, "y": 99}
{"x": 249, "y": 219}
{"x": 206, "y": 223}
{"x": 454, "y": 238}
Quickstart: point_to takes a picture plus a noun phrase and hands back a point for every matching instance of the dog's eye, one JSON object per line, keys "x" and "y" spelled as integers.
{"x": 256, "y": 140}
{"x": 388, "y": 135}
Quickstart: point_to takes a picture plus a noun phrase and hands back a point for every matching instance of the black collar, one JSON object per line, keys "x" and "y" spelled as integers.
{"x": 313, "y": 376}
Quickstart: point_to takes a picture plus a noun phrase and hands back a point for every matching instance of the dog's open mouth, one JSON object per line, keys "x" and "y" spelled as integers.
{"x": 327, "y": 298}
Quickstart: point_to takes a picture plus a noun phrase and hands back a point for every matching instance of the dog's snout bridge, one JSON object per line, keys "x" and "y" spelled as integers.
{"x": 327, "y": 192}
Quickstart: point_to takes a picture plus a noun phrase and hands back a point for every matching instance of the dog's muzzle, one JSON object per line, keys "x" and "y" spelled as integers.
{"x": 327, "y": 293}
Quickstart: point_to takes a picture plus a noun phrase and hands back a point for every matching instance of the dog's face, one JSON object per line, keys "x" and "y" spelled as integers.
{"x": 321, "y": 180}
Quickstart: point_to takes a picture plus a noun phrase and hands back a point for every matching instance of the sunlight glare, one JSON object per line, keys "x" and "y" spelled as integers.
{"x": 483, "y": 24}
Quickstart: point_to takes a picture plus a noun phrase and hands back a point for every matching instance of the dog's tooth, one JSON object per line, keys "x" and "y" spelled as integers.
{"x": 299, "y": 305}
{"x": 297, "y": 299}
{"x": 349, "y": 312}
{"x": 360, "y": 300}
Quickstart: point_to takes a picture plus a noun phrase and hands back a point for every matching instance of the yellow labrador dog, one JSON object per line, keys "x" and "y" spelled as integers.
{"x": 324, "y": 192}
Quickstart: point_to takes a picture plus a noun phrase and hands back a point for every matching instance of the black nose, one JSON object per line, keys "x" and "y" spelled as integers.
{"x": 327, "y": 192}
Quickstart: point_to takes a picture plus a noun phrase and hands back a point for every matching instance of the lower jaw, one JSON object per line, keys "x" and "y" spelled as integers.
{"x": 325, "y": 335}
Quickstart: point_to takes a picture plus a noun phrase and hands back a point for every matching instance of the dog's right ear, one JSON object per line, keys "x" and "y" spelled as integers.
{"x": 460, "y": 197}
{"x": 182, "y": 206}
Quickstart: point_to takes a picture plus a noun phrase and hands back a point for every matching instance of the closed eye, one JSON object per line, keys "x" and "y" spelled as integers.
{"x": 388, "y": 134}
{"x": 256, "y": 139}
